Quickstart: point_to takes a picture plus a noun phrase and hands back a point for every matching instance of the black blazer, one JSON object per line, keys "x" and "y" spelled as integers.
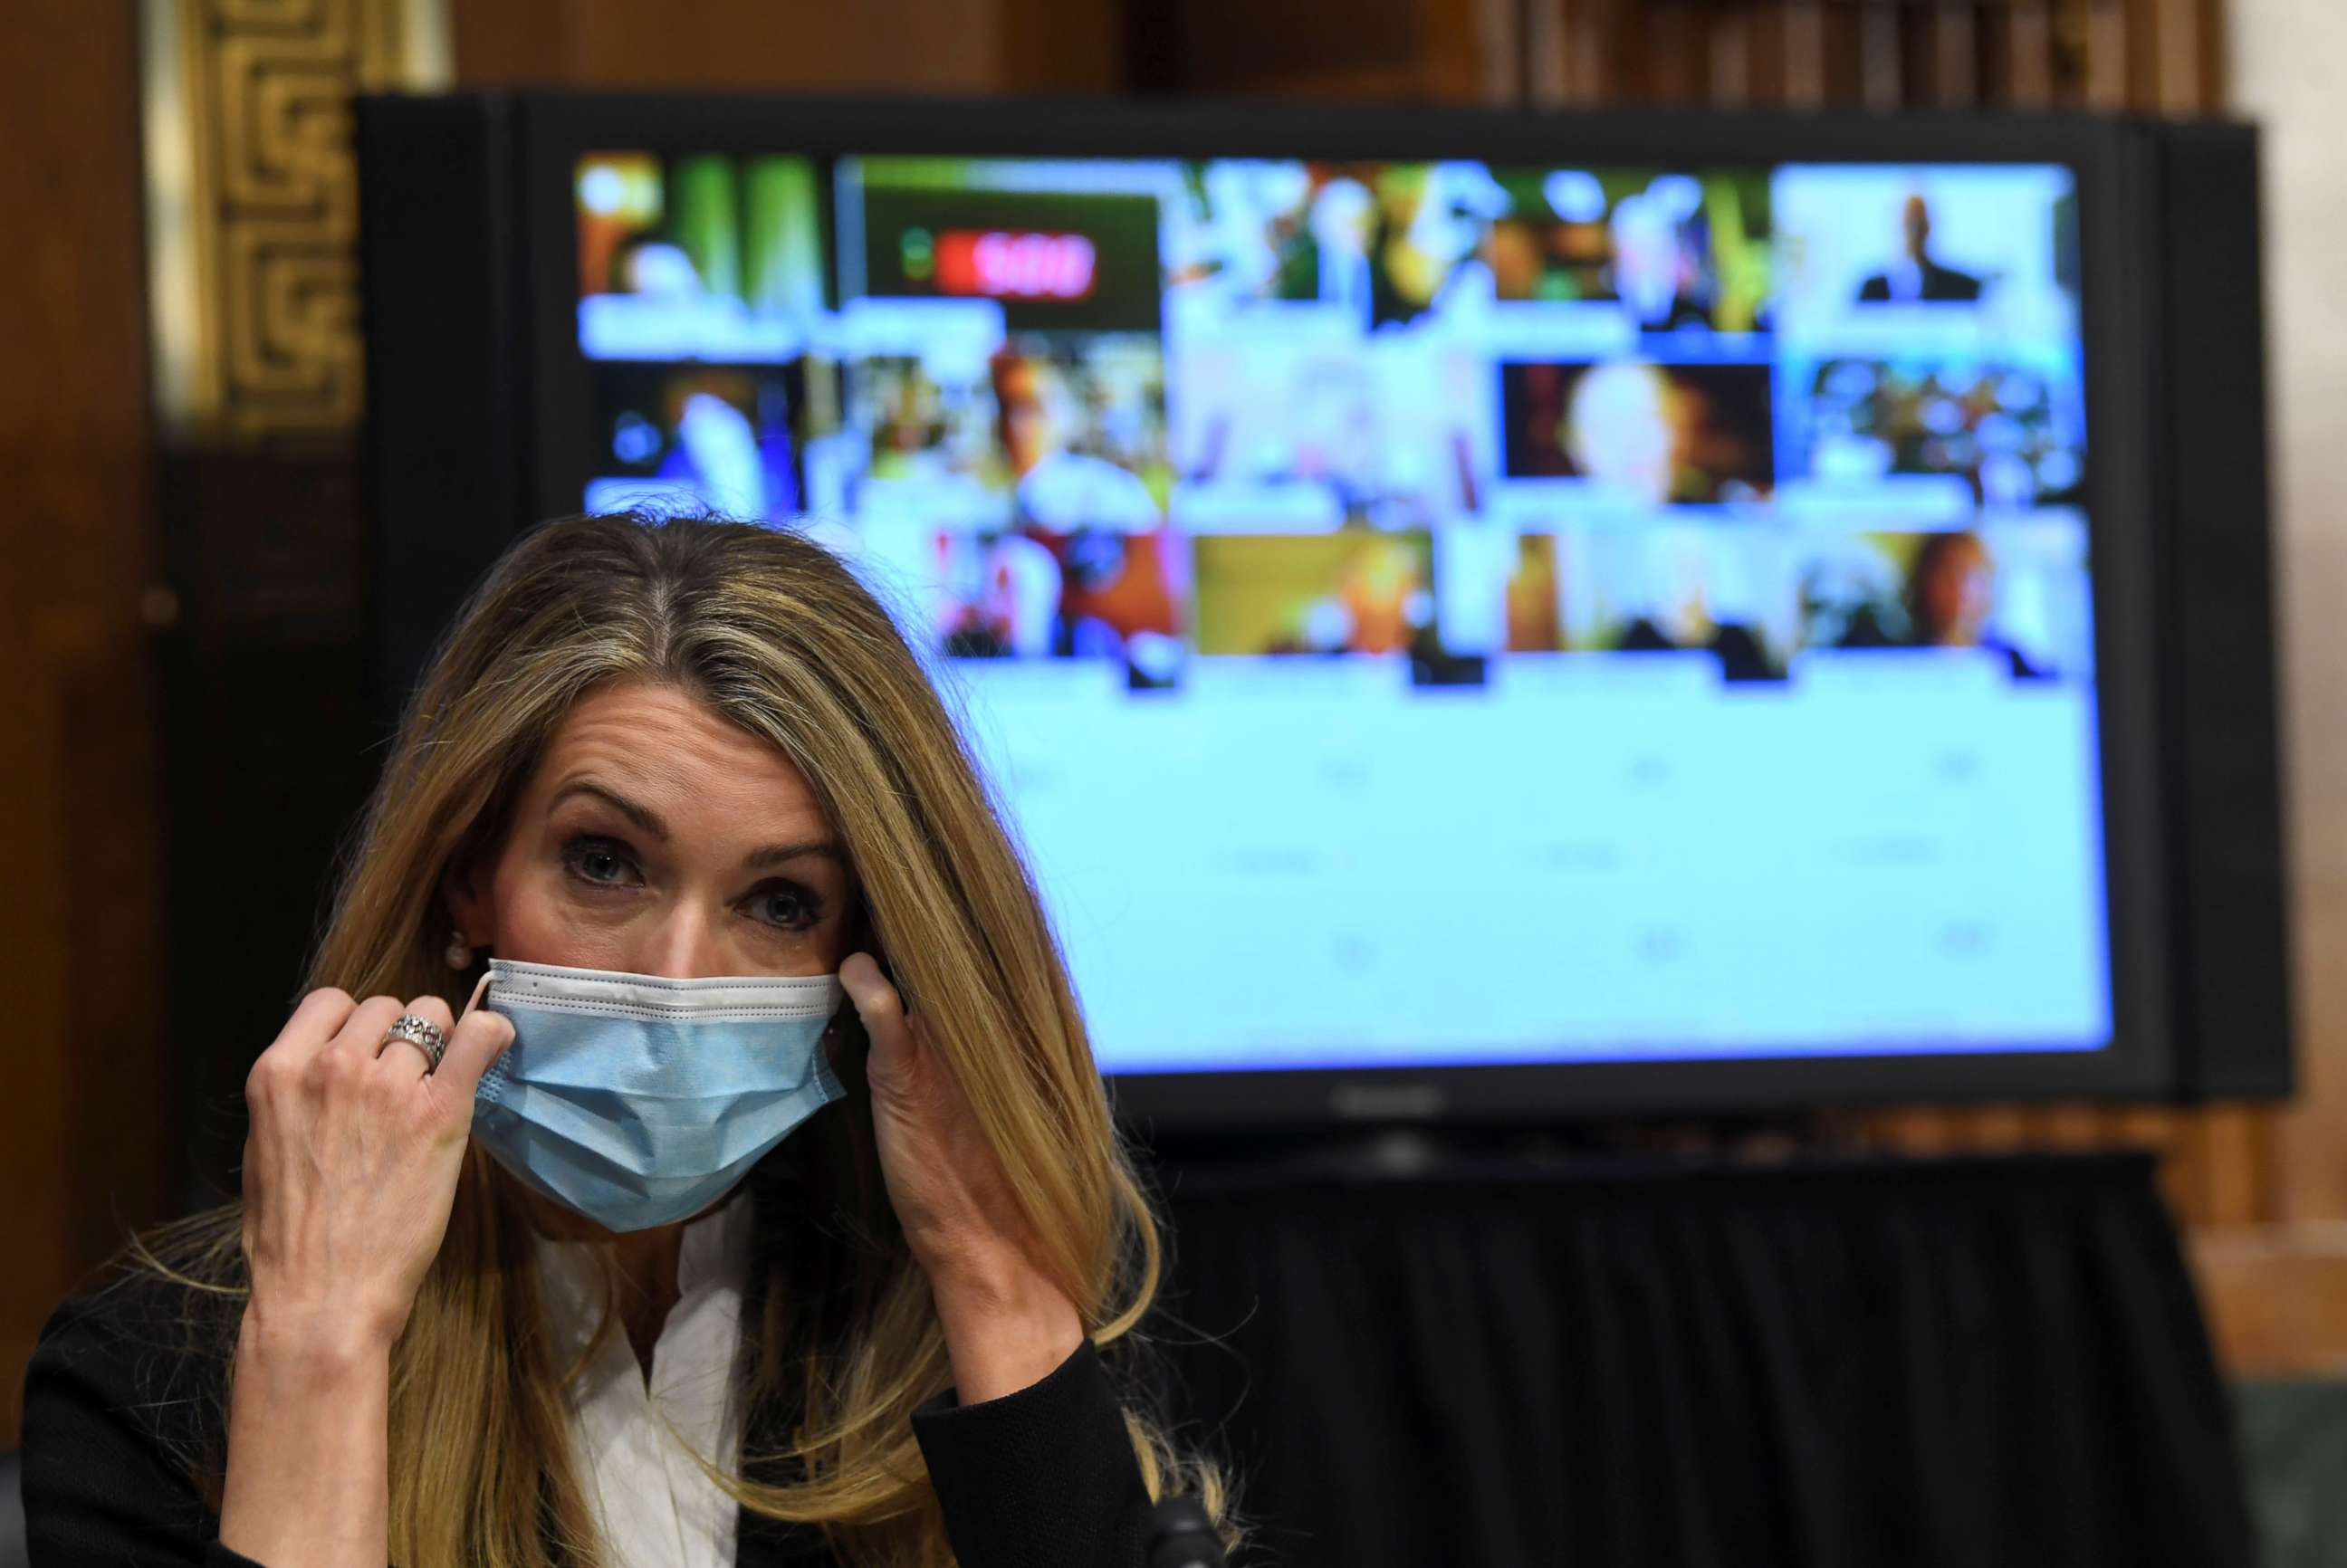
{"x": 1044, "y": 1478}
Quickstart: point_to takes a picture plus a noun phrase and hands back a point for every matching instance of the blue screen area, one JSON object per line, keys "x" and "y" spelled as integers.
{"x": 1440, "y": 613}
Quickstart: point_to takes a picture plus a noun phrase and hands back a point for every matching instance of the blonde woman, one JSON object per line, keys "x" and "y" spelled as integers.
{"x": 689, "y": 1153}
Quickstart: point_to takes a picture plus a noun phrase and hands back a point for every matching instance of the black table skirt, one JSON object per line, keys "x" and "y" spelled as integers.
{"x": 1942, "y": 1365}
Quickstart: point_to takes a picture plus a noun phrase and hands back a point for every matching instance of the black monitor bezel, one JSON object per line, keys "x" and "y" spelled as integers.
{"x": 2109, "y": 158}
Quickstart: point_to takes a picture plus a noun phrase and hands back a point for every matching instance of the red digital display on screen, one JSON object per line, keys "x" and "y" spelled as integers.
{"x": 1011, "y": 266}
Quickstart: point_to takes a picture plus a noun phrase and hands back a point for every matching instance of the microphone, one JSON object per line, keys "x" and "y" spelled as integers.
{"x": 1181, "y": 1536}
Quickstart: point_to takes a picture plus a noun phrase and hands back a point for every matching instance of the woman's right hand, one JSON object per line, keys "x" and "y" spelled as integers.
{"x": 350, "y": 1171}
{"x": 350, "y": 1167}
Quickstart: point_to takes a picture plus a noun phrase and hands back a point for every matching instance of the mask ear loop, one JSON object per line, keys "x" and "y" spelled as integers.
{"x": 478, "y": 987}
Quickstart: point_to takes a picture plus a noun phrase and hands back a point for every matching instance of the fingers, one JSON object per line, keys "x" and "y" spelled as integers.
{"x": 301, "y": 1063}
{"x": 436, "y": 1012}
{"x": 331, "y": 1039}
{"x": 867, "y": 988}
{"x": 362, "y": 1032}
{"x": 315, "y": 1022}
{"x": 883, "y": 1012}
{"x": 479, "y": 1039}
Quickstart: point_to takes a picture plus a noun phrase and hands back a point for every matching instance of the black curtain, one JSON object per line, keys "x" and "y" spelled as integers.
{"x": 1931, "y": 1365}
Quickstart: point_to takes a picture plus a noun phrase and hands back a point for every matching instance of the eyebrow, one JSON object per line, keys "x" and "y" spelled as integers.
{"x": 652, "y": 823}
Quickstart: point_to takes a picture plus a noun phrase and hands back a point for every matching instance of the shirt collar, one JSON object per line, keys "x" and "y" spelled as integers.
{"x": 575, "y": 1290}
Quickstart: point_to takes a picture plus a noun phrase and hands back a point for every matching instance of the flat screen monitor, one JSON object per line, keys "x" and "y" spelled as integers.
{"x": 1512, "y": 620}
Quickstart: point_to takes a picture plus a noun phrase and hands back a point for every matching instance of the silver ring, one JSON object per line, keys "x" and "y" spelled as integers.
{"x": 423, "y": 1034}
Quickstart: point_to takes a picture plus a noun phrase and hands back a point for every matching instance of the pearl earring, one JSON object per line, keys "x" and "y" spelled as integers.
{"x": 460, "y": 952}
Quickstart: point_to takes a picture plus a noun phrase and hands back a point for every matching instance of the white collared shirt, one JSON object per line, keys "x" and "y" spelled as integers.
{"x": 655, "y": 1506}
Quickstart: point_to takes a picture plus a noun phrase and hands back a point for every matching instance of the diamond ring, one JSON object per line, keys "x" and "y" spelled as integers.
{"x": 423, "y": 1034}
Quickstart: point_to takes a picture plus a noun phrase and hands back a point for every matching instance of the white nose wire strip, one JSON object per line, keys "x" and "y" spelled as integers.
{"x": 726, "y": 997}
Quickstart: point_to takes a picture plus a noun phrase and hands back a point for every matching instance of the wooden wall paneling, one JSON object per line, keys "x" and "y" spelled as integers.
{"x": 33, "y": 1158}
{"x": 2143, "y": 88}
{"x": 2276, "y": 1298}
{"x": 1804, "y": 36}
{"x": 1844, "y": 56}
{"x": 1995, "y": 44}
{"x": 512, "y": 43}
{"x": 2240, "y": 1165}
{"x": 1582, "y": 38}
{"x": 1502, "y": 65}
{"x": 1955, "y": 46}
{"x": 2025, "y": 66}
{"x": 2191, "y": 1187}
{"x": 1996, "y": 1128}
{"x": 1917, "y": 1130}
{"x": 1064, "y": 48}
{"x": 1892, "y": 81}
{"x": 2192, "y": 64}
{"x": 1459, "y": 61}
{"x": 2067, "y": 56}
{"x": 1882, "y": 64}
{"x": 2176, "y": 47}
{"x": 1405, "y": 49}
{"x": 1729, "y": 58}
{"x": 2197, "y": 1187}
{"x": 2107, "y": 77}
{"x": 2209, "y": 33}
{"x": 1617, "y": 54}
{"x": 1627, "y": 79}
{"x": 872, "y": 45}
{"x": 1546, "y": 36}
{"x": 2312, "y": 1136}
{"x": 1766, "y": 32}
{"x": 1677, "y": 71}
{"x": 1916, "y": 34}
{"x": 2070, "y": 1126}
{"x": 85, "y": 1123}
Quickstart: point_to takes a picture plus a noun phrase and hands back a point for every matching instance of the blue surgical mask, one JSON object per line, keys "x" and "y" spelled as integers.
{"x": 640, "y": 1102}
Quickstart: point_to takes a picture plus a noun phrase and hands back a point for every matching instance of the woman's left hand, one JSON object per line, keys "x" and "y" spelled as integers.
{"x": 1007, "y": 1325}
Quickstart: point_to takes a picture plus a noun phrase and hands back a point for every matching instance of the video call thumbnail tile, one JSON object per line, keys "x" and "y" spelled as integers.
{"x": 2014, "y": 433}
{"x": 1054, "y": 259}
{"x": 1349, "y": 592}
{"x": 1094, "y": 593}
{"x": 725, "y": 437}
{"x": 1644, "y": 432}
{"x": 1674, "y": 586}
{"x": 2018, "y": 590}
{"x": 1071, "y": 426}
{"x": 1907, "y": 244}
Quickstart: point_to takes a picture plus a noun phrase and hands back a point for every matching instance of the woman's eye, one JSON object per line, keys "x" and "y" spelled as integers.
{"x": 599, "y": 862}
{"x": 789, "y": 907}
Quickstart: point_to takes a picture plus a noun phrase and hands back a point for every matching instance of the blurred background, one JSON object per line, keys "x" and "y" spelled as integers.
{"x": 189, "y": 571}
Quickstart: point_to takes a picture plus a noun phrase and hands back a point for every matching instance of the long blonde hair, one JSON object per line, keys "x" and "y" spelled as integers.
{"x": 841, "y": 1342}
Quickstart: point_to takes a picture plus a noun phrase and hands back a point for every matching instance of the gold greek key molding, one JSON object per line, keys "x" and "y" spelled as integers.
{"x": 253, "y": 202}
